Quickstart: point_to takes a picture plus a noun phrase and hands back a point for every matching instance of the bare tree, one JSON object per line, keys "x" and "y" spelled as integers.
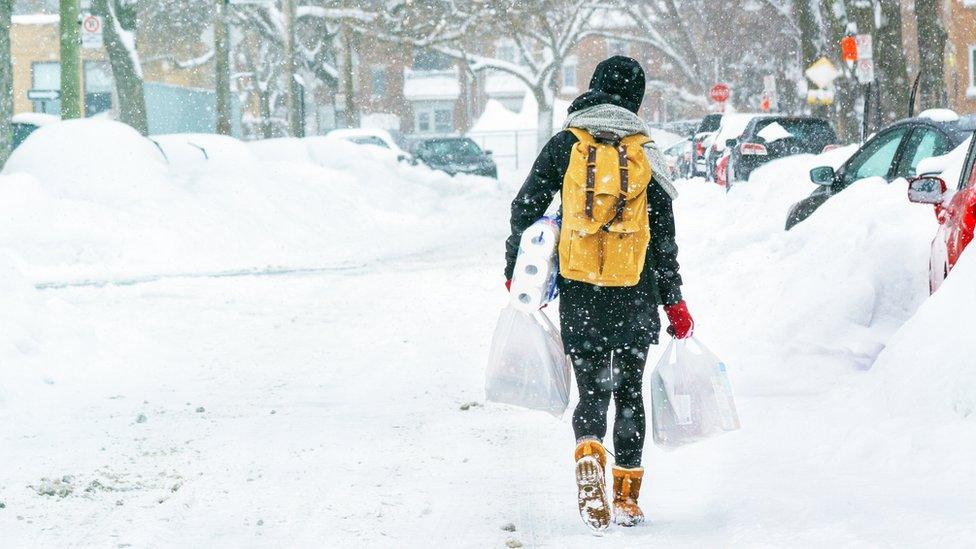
{"x": 6, "y": 84}
{"x": 891, "y": 63}
{"x": 931, "y": 48}
{"x": 317, "y": 43}
{"x": 544, "y": 34}
{"x": 120, "y": 18}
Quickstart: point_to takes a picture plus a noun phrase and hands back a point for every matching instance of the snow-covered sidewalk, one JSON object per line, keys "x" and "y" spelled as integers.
{"x": 340, "y": 403}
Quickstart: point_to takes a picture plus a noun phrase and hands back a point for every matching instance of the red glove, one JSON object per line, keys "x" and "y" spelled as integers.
{"x": 682, "y": 325}
{"x": 508, "y": 284}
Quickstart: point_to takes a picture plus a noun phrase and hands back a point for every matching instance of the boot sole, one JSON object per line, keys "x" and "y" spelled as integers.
{"x": 594, "y": 507}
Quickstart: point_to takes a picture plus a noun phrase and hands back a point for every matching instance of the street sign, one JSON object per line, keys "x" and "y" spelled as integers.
{"x": 91, "y": 32}
{"x": 43, "y": 95}
{"x": 770, "y": 93}
{"x": 822, "y": 73}
{"x": 865, "y": 71}
{"x": 848, "y": 50}
{"x": 820, "y": 97}
{"x": 865, "y": 46}
{"x": 720, "y": 93}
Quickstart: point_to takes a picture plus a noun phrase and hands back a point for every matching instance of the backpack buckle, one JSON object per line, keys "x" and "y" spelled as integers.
{"x": 607, "y": 138}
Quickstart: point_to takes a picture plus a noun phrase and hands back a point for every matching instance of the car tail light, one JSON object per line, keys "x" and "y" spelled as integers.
{"x": 700, "y": 148}
{"x": 830, "y": 147}
{"x": 752, "y": 149}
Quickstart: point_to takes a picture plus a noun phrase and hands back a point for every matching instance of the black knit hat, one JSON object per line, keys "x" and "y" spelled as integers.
{"x": 618, "y": 80}
{"x": 620, "y": 77}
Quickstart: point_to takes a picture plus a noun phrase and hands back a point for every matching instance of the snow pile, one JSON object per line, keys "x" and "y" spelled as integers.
{"x": 91, "y": 160}
{"x": 38, "y": 347}
{"x": 927, "y": 369}
{"x": 799, "y": 307}
{"x": 110, "y": 207}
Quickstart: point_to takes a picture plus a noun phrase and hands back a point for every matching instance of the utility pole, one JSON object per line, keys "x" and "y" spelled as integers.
{"x": 71, "y": 100}
{"x": 348, "y": 84}
{"x": 6, "y": 84}
{"x": 222, "y": 66}
{"x": 295, "y": 122}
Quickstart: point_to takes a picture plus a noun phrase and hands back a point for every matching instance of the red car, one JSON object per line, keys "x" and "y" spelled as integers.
{"x": 722, "y": 169}
{"x": 955, "y": 208}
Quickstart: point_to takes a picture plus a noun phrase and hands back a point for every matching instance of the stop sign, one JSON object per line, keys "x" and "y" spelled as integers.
{"x": 720, "y": 93}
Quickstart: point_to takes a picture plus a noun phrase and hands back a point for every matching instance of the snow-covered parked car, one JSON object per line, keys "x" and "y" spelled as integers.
{"x": 948, "y": 183}
{"x": 455, "y": 155}
{"x": 768, "y": 138}
{"x": 730, "y": 129}
{"x": 701, "y": 142}
{"x": 26, "y": 123}
{"x": 894, "y": 152}
{"x": 374, "y": 138}
{"x": 678, "y": 157}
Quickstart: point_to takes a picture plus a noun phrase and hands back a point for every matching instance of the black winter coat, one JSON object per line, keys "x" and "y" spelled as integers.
{"x": 595, "y": 319}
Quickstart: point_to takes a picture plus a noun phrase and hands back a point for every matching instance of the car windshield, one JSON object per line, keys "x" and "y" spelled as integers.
{"x": 453, "y": 148}
{"x": 876, "y": 157}
{"x": 710, "y": 123}
{"x": 804, "y": 130}
{"x": 369, "y": 140}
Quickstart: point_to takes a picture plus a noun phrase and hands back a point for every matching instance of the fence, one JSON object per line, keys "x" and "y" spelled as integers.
{"x": 513, "y": 150}
{"x": 175, "y": 109}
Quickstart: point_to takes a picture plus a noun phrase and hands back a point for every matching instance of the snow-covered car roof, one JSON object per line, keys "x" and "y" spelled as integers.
{"x": 732, "y": 126}
{"x": 35, "y": 118}
{"x": 352, "y": 134}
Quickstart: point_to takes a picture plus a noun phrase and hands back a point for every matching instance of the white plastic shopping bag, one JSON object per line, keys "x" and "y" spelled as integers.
{"x": 527, "y": 366}
{"x": 691, "y": 395}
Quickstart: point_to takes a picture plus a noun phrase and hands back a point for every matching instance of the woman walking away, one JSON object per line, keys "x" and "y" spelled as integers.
{"x": 618, "y": 263}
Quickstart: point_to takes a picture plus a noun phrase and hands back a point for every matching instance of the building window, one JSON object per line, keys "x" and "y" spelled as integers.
{"x": 442, "y": 121}
{"x": 378, "y": 81}
{"x": 617, "y": 47}
{"x": 505, "y": 51}
{"x": 427, "y": 60}
{"x": 98, "y": 87}
{"x": 434, "y": 118}
{"x": 971, "y": 92}
{"x": 569, "y": 74}
{"x": 46, "y": 76}
{"x": 423, "y": 122}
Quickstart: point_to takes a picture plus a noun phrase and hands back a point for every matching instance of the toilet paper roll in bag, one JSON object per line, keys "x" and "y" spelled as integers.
{"x": 537, "y": 266}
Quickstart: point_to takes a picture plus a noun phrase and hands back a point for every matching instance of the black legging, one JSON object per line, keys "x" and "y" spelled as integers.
{"x": 597, "y": 381}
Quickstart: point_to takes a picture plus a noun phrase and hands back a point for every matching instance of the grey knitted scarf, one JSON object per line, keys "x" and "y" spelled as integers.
{"x": 622, "y": 122}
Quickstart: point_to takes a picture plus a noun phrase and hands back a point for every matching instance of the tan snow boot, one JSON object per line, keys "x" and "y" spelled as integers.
{"x": 626, "y": 490}
{"x": 591, "y": 463}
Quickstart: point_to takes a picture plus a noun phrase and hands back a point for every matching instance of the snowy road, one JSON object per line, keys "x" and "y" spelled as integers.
{"x": 278, "y": 414}
{"x": 343, "y": 406}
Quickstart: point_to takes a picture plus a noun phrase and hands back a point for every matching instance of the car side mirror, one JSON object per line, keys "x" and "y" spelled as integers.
{"x": 927, "y": 189}
{"x": 488, "y": 152}
{"x": 730, "y": 143}
{"x": 823, "y": 175}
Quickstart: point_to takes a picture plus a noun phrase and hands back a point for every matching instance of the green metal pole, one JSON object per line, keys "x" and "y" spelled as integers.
{"x": 222, "y": 66}
{"x": 71, "y": 99}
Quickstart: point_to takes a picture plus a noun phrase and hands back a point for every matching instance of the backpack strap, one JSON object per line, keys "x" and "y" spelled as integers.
{"x": 624, "y": 181}
{"x": 590, "y": 179}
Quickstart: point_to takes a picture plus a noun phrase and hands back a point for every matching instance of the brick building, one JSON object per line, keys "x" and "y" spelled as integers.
{"x": 961, "y": 55}
{"x": 35, "y": 59}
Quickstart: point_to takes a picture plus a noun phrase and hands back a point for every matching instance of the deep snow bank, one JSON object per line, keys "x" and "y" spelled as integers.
{"x": 929, "y": 367}
{"x": 94, "y": 200}
{"x": 799, "y": 308}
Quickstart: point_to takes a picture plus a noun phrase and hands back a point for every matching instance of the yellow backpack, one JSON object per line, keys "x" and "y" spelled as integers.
{"x": 605, "y": 230}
